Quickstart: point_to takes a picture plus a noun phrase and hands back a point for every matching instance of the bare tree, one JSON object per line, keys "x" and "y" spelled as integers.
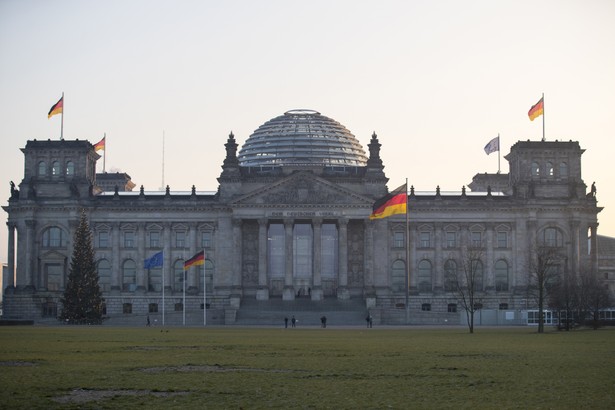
{"x": 467, "y": 282}
{"x": 543, "y": 275}
{"x": 564, "y": 297}
{"x": 593, "y": 296}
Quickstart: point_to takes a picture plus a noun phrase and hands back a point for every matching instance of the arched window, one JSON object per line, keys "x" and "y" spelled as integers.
{"x": 104, "y": 275}
{"x": 549, "y": 169}
{"x": 53, "y": 237}
{"x": 55, "y": 168}
{"x": 70, "y": 168}
{"x": 450, "y": 275}
{"x": 535, "y": 170}
{"x": 476, "y": 274}
{"x": 129, "y": 276}
{"x": 552, "y": 237}
{"x": 154, "y": 281}
{"x": 424, "y": 276}
{"x": 178, "y": 275}
{"x": 398, "y": 276}
{"x": 42, "y": 168}
{"x": 563, "y": 170}
{"x": 501, "y": 276}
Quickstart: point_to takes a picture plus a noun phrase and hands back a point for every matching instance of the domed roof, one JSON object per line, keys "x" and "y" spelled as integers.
{"x": 302, "y": 137}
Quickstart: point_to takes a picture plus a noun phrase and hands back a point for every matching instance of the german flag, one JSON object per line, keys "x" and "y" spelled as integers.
{"x": 198, "y": 259}
{"x": 100, "y": 145}
{"x": 392, "y": 204}
{"x": 537, "y": 110}
{"x": 56, "y": 108}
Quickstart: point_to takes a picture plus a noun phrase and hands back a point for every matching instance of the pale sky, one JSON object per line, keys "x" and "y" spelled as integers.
{"x": 436, "y": 80}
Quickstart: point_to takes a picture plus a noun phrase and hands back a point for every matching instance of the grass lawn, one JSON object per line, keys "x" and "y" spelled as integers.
{"x": 113, "y": 367}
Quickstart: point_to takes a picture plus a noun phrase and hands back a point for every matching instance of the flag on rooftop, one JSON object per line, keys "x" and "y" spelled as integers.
{"x": 396, "y": 202}
{"x": 537, "y": 110}
{"x": 493, "y": 145}
{"x": 100, "y": 145}
{"x": 57, "y": 108}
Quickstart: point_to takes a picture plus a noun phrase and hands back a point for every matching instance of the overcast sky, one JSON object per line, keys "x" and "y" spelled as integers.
{"x": 436, "y": 80}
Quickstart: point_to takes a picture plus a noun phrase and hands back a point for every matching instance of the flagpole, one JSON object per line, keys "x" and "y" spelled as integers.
{"x": 105, "y": 156}
{"x": 543, "y": 117}
{"x": 184, "y": 302}
{"x": 163, "y": 273}
{"x": 407, "y": 259}
{"x": 62, "y": 119}
{"x": 204, "y": 293}
{"x": 499, "y": 152}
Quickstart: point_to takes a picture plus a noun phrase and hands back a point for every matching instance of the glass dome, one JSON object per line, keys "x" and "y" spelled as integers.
{"x": 302, "y": 137}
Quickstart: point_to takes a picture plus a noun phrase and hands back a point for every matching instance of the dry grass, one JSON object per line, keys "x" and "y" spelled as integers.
{"x": 105, "y": 367}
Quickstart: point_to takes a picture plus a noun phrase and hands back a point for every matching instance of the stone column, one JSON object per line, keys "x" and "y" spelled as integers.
{"x": 594, "y": 248}
{"x": 289, "y": 290}
{"x": 317, "y": 293}
{"x": 489, "y": 284}
{"x": 262, "y": 292}
{"x": 116, "y": 272}
{"x": 574, "y": 249}
{"x": 141, "y": 273}
{"x": 194, "y": 272}
{"x": 410, "y": 265}
{"x": 167, "y": 259}
{"x": 370, "y": 290}
{"x": 29, "y": 279}
{"x": 438, "y": 262}
{"x": 342, "y": 289}
{"x": 9, "y": 280}
{"x": 238, "y": 263}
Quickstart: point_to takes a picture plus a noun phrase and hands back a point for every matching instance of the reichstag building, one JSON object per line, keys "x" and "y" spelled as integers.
{"x": 288, "y": 232}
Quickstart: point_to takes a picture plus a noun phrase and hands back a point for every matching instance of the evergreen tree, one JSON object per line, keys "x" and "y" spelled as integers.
{"x": 82, "y": 301}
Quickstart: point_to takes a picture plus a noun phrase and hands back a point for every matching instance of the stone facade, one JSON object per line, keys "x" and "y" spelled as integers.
{"x": 293, "y": 231}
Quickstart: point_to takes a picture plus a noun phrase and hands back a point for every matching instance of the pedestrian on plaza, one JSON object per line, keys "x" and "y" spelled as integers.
{"x": 293, "y": 321}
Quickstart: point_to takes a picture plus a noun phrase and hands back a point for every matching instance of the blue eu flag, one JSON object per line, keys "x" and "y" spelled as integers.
{"x": 154, "y": 261}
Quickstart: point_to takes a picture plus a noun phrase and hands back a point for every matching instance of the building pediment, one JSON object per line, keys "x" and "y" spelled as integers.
{"x": 302, "y": 188}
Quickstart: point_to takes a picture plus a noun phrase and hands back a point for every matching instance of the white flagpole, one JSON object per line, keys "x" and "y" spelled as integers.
{"x": 62, "y": 119}
{"x": 184, "y": 302}
{"x": 407, "y": 259}
{"x": 499, "y": 151}
{"x": 105, "y": 157}
{"x": 204, "y": 293}
{"x": 543, "y": 117}
{"x": 163, "y": 273}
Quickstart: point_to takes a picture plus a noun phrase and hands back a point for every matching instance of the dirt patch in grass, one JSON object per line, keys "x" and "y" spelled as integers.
{"x": 216, "y": 368}
{"x": 87, "y": 395}
{"x": 14, "y": 363}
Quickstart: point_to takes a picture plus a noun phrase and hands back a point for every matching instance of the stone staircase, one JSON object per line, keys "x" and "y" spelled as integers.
{"x": 272, "y": 312}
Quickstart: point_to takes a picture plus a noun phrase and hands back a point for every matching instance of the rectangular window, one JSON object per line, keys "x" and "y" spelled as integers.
{"x": 54, "y": 276}
{"x": 206, "y": 239}
{"x": 153, "y": 308}
{"x": 154, "y": 239}
{"x": 425, "y": 239}
{"x": 180, "y": 239}
{"x": 502, "y": 239}
{"x": 103, "y": 239}
{"x": 426, "y": 307}
{"x": 129, "y": 239}
{"x": 452, "y": 307}
{"x": 179, "y": 307}
{"x": 451, "y": 239}
{"x": 399, "y": 240}
{"x": 476, "y": 239}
